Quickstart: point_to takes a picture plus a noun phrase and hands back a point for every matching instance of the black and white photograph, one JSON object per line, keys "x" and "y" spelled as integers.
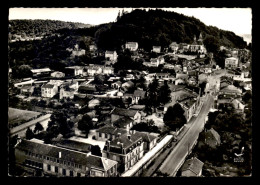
{"x": 129, "y": 92}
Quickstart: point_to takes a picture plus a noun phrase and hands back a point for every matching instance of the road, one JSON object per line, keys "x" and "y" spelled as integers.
{"x": 176, "y": 158}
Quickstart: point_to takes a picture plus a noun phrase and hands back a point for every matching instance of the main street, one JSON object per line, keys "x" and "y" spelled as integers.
{"x": 176, "y": 158}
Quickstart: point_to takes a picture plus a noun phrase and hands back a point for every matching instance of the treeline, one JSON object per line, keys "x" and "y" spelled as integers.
{"x": 159, "y": 27}
{"x": 37, "y": 28}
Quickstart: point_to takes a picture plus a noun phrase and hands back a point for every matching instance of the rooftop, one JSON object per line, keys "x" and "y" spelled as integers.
{"x": 194, "y": 165}
{"x": 124, "y": 112}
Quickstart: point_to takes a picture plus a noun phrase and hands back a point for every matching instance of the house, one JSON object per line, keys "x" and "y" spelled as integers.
{"x": 132, "y": 46}
{"x": 124, "y": 123}
{"x": 109, "y": 133}
{"x": 116, "y": 85}
{"x": 49, "y": 90}
{"x": 174, "y": 47}
{"x": 149, "y": 140}
{"x": 118, "y": 113}
{"x": 229, "y": 90}
{"x": 231, "y": 62}
{"x": 111, "y": 55}
{"x": 74, "y": 71}
{"x": 189, "y": 106}
{"x": 127, "y": 150}
{"x": 156, "y": 49}
{"x": 74, "y": 145}
{"x": 192, "y": 168}
{"x": 41, "y": 72}
{"x": 93, "y": 103}
{"x": 212, "y": 138}
{"x": 68, "y": 89}
{"x": 99, "y": 69}
{"x": 154, "y": 62}
{"x": 138, "y": 95}
{"x": 33, "y": 155}
{"x": 27, "y": 90}
{"x": 127, "y": 85}
{"x": 57, "y": 74}
{"x": 238, "y": 105}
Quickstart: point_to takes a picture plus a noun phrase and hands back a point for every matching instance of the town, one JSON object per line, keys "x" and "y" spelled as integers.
{"x": 161, "y": 117}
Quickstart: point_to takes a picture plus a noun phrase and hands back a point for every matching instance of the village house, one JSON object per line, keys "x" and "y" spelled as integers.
{"x": 192, "y": 168}
{"x": 230, "y": 90}
{"x": 132, "y": 46}
{"x": 109, "y": 133}
{"x": 68, "y": 89}
{"x": 124, "y": 123}
{"x": 231, "y": 62}
{"x": 174, "y": 47}
{"x": 127, "y": 85}
{"x": 57, "y": 74}
{"x": 27, "y": 90}
{"x": 149, "y": 139}
{"x": 33, "y": 155}
{"x": 49, "y": 90}
{"x": 99, "y": 69}
{"x": 116, "y": 85}
{"x": 189, "y": 106}
{"x": 118, "y": 113}
{"x": 212, "y": 138}
{"x": 156, "y": 49}
{"x": 74, "y": 71}
{"x": 41, "y": 72}
{"x": 127, "y": 150}
{"x": 111, "y": 55}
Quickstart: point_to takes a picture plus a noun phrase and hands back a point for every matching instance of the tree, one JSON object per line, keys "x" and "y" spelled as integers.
{"x": 29, "y": 134}
{"x": 165, "y": 93}
{"x": 85, "y": 124}
{"x": 174, "y": 117}
{"x": 211, "y": 44}
{"x": 152, "y": 98}
{"x": 95, "y": 150}
{"x": 203, "y": 87}
{"x": 22, "y": 71}
{"x": 38, "y": 127}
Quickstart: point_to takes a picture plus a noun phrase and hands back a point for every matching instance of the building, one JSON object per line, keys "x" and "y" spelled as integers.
{"x": 116, "y": 85}
{"x": 118, "y": 113}
{"x": 156, "y": 49}
{"x": 124, "y": 123}
{"x": 127, "y": 150}
{"x": 174, "y": 47}
{"x": 127, "y": 85}
{"x": 231, "y": 62}
{"x": 192, "y": 168}
{"x": 212, "y": 138}
{"x": 111, "y": 55}
{"x": 74, "y": 71}
{"x": 27, "y": 90}
{"x": 41, "y": 72}
{"x": 99, "y": 69}
{"x": 132, "y": 46}
{"x": 33, "y": 155}
{"x": 109, "y": 133}
{"x": 68, "y": 89}
{"x": 49, "y": 90}
{"x": 57, "y": 74}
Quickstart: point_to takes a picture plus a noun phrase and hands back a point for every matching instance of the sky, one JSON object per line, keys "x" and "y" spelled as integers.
{"x": 238, "y": 20}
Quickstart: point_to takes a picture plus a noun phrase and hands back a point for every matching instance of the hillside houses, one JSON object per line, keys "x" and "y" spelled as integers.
{"x": 111, "y": 55}
{"x": 132, "y": 46}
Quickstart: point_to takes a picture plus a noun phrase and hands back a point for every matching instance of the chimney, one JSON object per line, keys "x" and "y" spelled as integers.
{"x": 59, "y": 155}
{"x": 121, "y": 147}
{"x": 133, "y": 131}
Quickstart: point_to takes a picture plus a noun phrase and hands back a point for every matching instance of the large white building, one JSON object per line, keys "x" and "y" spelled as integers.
{"x": 132, "y": 46}
{"x": 231, "y": 62}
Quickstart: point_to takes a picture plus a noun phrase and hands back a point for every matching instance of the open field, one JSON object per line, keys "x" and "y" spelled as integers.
{"x": 18, "y": 115}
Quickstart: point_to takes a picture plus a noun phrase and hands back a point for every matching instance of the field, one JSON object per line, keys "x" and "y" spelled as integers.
{"x": 17, "y": 115}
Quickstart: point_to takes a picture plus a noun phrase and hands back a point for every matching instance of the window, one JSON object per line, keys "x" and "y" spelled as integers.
{"x": 105, "y": 135}
{"x": 57, "y": 160}
{"x": 68, "y": 163}
{"x": 63, "y": 172}
{"x": 44, "y": 157}
{"x": 36, "y": 155}
{"x": 100, "y": 135}
{"x": 71, "y": 173}
{"x": 40, "y": 156}
{"x": 49, "y": 167}
{"x": 78, "y": 174}
{"x": 80, "y": 166}
{"x": 33, "y": 163}
{"x": 64, "y": 162}
{"x": 47, "y": 158}
{"x": 56, "y": 169}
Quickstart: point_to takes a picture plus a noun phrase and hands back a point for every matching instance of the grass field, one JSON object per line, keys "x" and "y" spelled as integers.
{"x": 18, "y": 115}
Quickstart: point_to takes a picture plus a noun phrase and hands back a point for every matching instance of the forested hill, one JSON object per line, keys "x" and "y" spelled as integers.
{"x": 37, "y": 28}
{"x": 159, "y": 27}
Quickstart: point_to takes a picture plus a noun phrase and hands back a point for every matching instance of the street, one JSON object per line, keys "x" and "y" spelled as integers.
{"x": 176, "y": 158}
